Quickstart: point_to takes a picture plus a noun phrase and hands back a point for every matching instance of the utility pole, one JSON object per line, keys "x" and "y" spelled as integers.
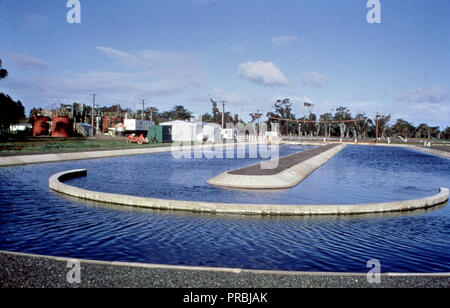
{"x": 151, "y": 113}
{"x": 143, "y": 104}
{"x": 223, "y": 113}
{"x": 376, "y": 133}
{"x": 93, "y": 112}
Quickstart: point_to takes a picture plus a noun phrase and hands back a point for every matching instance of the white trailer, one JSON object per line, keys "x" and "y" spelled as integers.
{"x": 134, "y": 125}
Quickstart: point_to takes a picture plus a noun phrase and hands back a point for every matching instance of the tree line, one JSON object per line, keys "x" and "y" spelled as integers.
{"x": 341, "y": 124}
{"x": 10, "y": 111}
{"x": 179, "y": 112}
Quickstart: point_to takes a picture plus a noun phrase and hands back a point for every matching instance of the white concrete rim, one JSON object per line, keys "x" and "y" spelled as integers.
{"x": 56, "y": 184}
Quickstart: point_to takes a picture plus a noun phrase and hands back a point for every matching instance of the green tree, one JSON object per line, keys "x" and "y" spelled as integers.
{"x": 342, "y": 114}
{"x": 156, "y": 114}
{"x": 423, "y": 131}
{"x": 404, "y": 128}
{"x": 179, "y": 112}
{"x": 206, "y": 117}
{"x": 310, "y": 126}
{"x": 3, "y": 72}
{"x": 435, "y": 132}
{"x": 360, "y": 128}
{"x": 10, "y": 112}
{"x": 216, "y": 116}
{"x": 256, "y": 116}
{"x": 283, "y": 110}
{"x": 326, "y": 117}
{"x": 446, "y": 133}
{"x": 383, "y": 124}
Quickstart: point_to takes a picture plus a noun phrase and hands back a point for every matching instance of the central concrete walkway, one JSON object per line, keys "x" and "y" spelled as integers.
{"x": 283, "y": 173}
{"x": 284, "y": 163}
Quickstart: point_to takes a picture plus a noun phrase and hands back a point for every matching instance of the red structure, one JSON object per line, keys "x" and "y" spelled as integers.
{"x": 40, "y": 126}
{"x": 109, "y": 122}
{"x": 61, "y": 127}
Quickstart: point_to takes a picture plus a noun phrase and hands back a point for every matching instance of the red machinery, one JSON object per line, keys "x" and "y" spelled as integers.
{"x": 40, "y": 126}
{"x": 61, "y": 127}
{"x": 139, "y": 140}
{"x": 109, "y": 122}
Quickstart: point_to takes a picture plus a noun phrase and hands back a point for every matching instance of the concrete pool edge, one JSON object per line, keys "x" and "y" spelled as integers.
{"x": 431, "y": 151}
{"x": 20, "y": 160}
{"x": 287, "y": 178}
{"x": 56, "y": 184}
{"x": 31, "y": 270}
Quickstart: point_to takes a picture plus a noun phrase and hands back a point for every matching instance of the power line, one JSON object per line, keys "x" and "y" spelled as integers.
{"x": 318, "y": 122}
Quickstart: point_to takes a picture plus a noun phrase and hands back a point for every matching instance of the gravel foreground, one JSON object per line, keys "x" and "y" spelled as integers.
{"x": 30, "y": 271}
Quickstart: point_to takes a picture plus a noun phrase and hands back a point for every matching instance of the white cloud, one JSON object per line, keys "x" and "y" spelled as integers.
{"x": 263, "y": 73}
{"x": 36, "y": 19}
{"x": 283, "y": 40}
{"x": 163, "y": 64}
{"x": 143, "y": 75}
{"x": 27, "y": 61}
{"x": 156, "y": 71}
{"x": 300, "y": 100}
{"x": 314, "y": 79}
{"x": 437, "y": 94}
{"x": 121, "y": 57}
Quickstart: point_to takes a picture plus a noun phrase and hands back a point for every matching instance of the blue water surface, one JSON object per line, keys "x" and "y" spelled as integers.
{"x": 35, "y": 220}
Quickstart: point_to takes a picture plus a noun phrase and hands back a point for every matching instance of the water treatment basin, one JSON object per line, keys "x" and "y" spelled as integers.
{"x": 35, "y": 220}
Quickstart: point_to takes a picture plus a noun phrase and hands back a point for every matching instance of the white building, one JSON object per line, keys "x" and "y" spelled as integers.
{"x": 21, "y": 127}
{"x": 229, "y": 133}
{"x": 133, "y": 125}
{"x": 212, "y": 132}
{"x": 184, "y": 131}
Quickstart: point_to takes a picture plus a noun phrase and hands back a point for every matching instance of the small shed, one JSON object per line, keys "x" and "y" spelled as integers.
{"x": 184, "y": 131}
{"x": 159, "y": 134}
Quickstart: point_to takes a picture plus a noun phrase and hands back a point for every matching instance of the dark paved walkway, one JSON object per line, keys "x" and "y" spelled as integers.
{"x": 36, "y": 272}
{"x": 285, "y": 162}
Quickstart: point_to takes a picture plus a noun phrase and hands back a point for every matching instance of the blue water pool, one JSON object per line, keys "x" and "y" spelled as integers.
{"x": 36, "y": 220}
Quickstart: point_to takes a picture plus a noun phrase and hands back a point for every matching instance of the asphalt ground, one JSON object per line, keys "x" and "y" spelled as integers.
{"x": 30, "y": 271}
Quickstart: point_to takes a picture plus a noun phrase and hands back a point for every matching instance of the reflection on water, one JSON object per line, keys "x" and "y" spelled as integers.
{"x": 355, "y": 175}
{"x": 34, "y": 220}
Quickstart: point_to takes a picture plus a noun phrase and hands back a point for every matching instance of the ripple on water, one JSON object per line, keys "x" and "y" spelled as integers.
{"x": 36, "y": 221}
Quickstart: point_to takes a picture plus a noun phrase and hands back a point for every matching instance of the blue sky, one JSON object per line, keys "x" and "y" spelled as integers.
{"x": 248, "y": 52}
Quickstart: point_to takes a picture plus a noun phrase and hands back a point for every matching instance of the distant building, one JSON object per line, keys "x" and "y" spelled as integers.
{"x": 134, "y": 126}
{"x": 184, "y": 131}
{"x": 21, "y": 127}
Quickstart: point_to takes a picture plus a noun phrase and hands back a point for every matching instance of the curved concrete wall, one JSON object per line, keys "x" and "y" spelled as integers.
{"x": 59, "y": 157}
{"x": 285, "y": 179}
{"x": 431, "y": 151}
{"x": 56, "y": 184}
